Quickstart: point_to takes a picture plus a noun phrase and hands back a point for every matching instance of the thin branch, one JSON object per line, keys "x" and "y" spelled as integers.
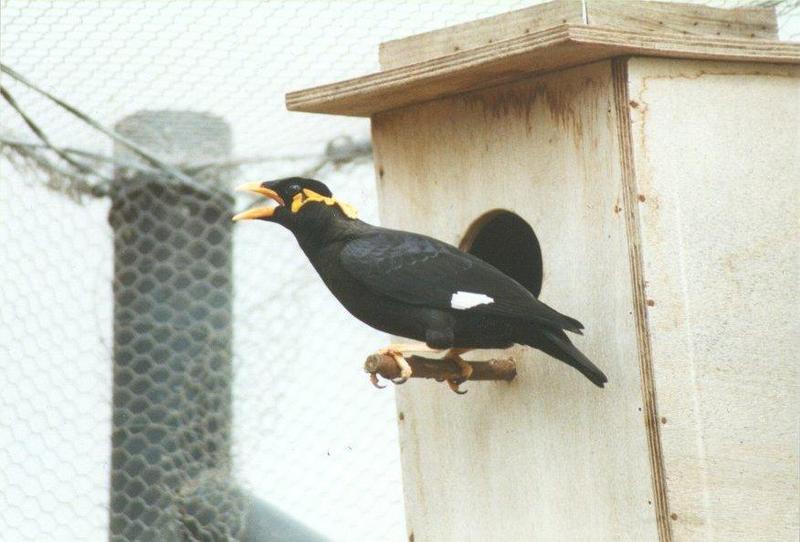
{"x": 79, "y": 152}
{"x": 136, "y": 148}
{"x": 83, "y": 168}
{"x": 331, "y": 156}
{"x": 345, "y": 149}
{"x": 37, "y": 161}
{"x": 230, "y": 164}
{"x": 337, "y": 151}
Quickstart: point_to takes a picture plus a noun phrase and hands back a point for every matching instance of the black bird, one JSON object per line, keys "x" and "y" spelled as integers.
{"x": 415, "y": 286}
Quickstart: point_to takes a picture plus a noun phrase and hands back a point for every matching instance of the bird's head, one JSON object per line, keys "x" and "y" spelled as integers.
{"x": 293, "y": 196}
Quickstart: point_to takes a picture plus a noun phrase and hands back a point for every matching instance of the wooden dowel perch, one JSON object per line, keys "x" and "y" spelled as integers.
{"x": 441, "y": 369}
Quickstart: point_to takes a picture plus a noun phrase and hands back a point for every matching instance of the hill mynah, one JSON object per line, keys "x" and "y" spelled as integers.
{"x": 414, "y": 286}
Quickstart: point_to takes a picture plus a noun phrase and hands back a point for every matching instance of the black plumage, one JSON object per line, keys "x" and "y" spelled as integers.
{"x": 415, "y": 286}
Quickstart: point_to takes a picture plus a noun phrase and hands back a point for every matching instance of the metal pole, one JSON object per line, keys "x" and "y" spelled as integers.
{"x": 172, "y": 335}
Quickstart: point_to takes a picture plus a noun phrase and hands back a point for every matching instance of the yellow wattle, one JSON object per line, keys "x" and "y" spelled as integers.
{"x": 307, "y": 195}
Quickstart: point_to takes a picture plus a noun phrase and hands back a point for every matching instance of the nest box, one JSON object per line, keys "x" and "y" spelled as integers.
{"x": 636, "y": 165}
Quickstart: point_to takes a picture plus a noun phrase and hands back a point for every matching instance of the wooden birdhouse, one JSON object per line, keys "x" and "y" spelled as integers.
{"x": 637, "y": 166}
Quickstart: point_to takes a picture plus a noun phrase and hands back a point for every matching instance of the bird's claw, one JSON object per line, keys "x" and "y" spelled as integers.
{"x": 454, "y": 384}
{"x": 466, "y": 371}
{"x": 396, "y": 354}
{"x": 374, "y": 379}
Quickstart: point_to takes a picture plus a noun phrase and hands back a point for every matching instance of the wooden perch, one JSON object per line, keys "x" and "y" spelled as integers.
{"x": 441, "y": 369}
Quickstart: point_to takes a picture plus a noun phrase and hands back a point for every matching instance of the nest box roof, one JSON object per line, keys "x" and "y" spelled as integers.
{"x": 547, "y": 37}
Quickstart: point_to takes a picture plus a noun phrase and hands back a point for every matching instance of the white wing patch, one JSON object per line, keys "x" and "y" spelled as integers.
{"x": 466, "y": 300}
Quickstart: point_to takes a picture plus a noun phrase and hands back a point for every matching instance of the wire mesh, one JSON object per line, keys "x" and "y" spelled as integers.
{"x": 152, "y": 379}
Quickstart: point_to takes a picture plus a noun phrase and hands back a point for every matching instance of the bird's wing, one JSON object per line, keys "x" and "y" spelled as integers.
{"x": 423, "y": 271}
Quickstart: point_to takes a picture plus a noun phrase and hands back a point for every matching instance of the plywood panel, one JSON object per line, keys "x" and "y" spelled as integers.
{"x": 518, "y": 57}
{"x": 548, "y": 456}
{"x": 699, "y": 20}
{"x": 446, "y": 41}
{"x": 636, "y": 16}
{"x": 717, "y": 156}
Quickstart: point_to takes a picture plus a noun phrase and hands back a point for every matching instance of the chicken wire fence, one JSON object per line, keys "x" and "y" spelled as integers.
{"x": 164, "y": 375}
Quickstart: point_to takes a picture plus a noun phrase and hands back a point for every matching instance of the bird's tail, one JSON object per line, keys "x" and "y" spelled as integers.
{"x": 557, "y": 344}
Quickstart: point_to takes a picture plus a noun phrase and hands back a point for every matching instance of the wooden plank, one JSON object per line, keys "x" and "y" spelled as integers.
{"x": 630, "y": 209}
{"x": 629, "y": 15}
{"x": 461, "y": 37}
{"x": 523, "y": 460}
{"x": 476, "y": 68}
{"x": 694, "y": 19}
{"x": 512, "y": 59}
{"x": 719, "y": 220}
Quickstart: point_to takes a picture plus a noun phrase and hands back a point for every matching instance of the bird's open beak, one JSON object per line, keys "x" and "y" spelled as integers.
{"x": 258, "y": 212}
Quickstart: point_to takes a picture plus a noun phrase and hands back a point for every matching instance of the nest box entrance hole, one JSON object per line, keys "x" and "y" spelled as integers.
{"x": 506, "y": 241}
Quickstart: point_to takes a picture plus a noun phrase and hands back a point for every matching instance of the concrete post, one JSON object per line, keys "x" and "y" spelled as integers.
{"x": 172, "y": 332}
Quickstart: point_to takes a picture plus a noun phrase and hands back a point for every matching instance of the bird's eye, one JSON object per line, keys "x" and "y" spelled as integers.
{"x": 294, "y": 188}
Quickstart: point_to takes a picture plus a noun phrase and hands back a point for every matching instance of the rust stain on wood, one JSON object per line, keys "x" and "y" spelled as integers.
{"x": 567, "y": 106}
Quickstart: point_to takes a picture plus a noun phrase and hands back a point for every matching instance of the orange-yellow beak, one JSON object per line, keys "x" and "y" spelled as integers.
{"x": 258, "y": 212}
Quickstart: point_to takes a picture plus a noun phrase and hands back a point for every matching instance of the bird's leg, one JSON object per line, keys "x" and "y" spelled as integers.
{"x": 397, "y": 353}
{"x": 454, "y": 354}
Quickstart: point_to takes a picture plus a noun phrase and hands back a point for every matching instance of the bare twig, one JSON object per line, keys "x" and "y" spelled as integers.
{"x": 338, "y": 151}
{"x": 76, "y": 184}
{"x": 136, "y": 148}
{"x": 231, "y": 164}
{"x": 15, "y": 143}
{"x": 83, "y": 168}
{"x": 441, "y": 369}
{"x": 345, "y": 149}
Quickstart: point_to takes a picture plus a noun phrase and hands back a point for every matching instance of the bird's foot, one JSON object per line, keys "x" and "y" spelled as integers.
{"x": 454, "y": 354}
{"x": 466, "y": 368}
{"x": 397, "y": 353}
